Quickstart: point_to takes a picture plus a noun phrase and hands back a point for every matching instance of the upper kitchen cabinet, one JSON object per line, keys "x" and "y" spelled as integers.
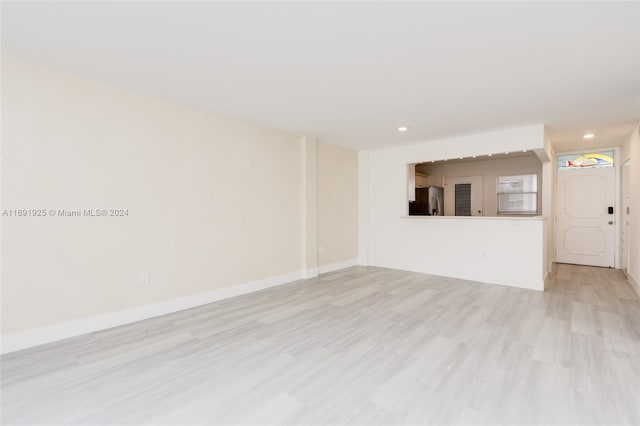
{"x": 422, "y": 180}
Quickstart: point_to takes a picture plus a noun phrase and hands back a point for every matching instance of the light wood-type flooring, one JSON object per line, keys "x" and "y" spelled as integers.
{"x": 362, "y": 345}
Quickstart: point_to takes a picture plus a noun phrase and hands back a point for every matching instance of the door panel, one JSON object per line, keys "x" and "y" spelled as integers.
{"x": 462, "y": 199}
{"x": 477, "y": 194}
{"x": 585, "y": 230}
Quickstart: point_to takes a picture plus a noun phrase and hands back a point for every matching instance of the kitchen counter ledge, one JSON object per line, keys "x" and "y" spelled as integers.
{"x": 477, "y": 217}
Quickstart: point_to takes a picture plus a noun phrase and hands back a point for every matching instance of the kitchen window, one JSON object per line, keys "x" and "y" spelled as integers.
{"x": 518, "y": 194}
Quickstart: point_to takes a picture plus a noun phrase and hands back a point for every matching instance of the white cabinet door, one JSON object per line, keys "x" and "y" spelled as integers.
{"x": 585, "y": 231}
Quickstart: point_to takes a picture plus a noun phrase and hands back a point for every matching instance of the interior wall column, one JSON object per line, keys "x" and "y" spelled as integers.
{"x": 363, "y": 208}
{"x": 309, "y": 200}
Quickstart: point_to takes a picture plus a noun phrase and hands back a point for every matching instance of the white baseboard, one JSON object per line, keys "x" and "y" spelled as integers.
{"x": 310, "y": 273}
{"x": 338, "y": 265}
{"x": 545, "y": 281}
{"x": 634, "y": 282}
{"x": 39, "y": 336}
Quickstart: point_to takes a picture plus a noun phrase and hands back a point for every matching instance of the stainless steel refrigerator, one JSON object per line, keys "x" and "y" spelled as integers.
{"x": 429, "y": 202}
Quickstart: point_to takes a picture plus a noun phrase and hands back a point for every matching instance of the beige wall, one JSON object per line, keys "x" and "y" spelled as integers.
{"x": 630, "y": 154}
{"x": 490, "y": 170}
{"x": 548, "y": 188}
{"x": 212, "y": 201}
{"x": 337, "y": 176}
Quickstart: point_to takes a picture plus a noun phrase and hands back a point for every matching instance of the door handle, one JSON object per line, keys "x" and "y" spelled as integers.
{"x": 610, "y": 222}
{"x": 610, "y": 210}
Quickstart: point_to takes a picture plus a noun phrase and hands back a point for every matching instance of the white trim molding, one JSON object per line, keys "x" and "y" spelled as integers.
{"x": 39, "y": 336}
{"x": 323, "y": 269}
{"x": 310, "y": 273}
{"x": 634, "y": 283}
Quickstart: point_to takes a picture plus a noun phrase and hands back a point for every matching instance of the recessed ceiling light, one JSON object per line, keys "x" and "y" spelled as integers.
{"x": 589, "y": 136}
{"x": 403, "y": 128}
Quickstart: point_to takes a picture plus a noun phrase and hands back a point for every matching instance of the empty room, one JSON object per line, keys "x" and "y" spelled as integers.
{"x": 320, "y": 213}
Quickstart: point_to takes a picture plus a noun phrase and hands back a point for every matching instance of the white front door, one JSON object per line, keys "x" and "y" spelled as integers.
{"x": 463, "y": 196}
{"x": 585, "y": 232}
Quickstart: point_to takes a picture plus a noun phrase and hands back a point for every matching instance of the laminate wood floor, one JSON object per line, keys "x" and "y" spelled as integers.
{"x": 362, "y": 345}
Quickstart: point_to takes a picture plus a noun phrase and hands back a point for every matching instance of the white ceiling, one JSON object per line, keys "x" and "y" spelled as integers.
{"x": 351, "y": 73}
